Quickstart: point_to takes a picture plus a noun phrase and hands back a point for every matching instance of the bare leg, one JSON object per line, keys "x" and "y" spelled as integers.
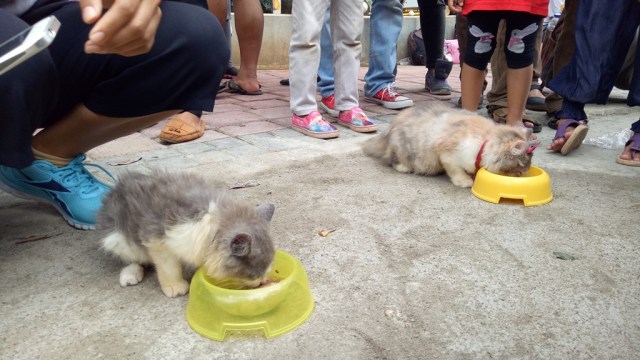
{"x": 518, "y": 83}
{"x": 82, "y": 130}
{"x": 219, "y": 9}
{"x": 472, "y": 81}
{"x": 249, "y": 21}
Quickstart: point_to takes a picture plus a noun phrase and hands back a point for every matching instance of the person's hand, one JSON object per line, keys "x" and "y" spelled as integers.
{"x": 455, "y": 5}
{"x": 127, "y": 28}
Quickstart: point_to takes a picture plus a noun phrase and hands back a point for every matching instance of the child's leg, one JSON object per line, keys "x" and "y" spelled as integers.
{"x": 519, "y": 49}
{"x": 304, "y": 54}
{"x": 481, "y": 41}
{"x": 346, "y": 30}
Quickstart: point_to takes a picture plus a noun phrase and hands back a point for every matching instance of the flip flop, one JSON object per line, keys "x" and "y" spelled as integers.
{"x": 577, "y": 136}
{"x": 635, "y": 148}
{"x": 232, "y": 87}
{"x": 499, "y": 114}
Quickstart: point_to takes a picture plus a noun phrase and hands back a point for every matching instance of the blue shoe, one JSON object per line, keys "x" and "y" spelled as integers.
{"x": 71, "y": 189}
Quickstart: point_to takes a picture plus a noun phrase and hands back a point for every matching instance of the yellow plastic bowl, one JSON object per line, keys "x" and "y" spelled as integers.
{"x": 275, "y": 309}
{"x": 534, "y": 188}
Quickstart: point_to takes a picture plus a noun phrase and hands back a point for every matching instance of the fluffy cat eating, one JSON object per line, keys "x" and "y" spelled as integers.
{"x": 169, "y": 220}
{"x": 435, "y": 139}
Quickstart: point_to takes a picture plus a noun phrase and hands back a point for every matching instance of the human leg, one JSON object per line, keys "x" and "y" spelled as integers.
{"x": 562, "y": 53}
{"x": 385, "y": 26}
{"x": 461, "y": 34}
{"x": 326, "y": 85}
{"x": 520, "y": 51}
{"x": 28, "y": 96}
{"x": 589, "y": 77}
{"x": 631, "y": 153}
{"x": 432, "y": 21}
{"x": 249, "y": 21}
{"x": 535, "y": 99}
{"x": 304, "y": 58}
{"x": 497, "y": 96}
{"x": 108, "y": 96}
{"x": 346, "y": 29}
{"x": 481, "y": 42}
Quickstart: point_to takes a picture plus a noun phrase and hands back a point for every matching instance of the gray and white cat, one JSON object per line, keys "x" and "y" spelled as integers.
{"x": 175, "y": 219}
{"x": 434, "y": 139}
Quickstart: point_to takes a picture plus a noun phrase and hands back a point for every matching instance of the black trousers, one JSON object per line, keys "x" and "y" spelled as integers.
{"x": 183, "y": 70}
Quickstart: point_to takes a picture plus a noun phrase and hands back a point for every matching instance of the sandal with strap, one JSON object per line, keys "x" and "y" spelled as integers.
{"x": 535, "y": 103}
{"x": 634, "y": 141}
{"x": 499, "y": 114}
{"x": 577, "y": 136}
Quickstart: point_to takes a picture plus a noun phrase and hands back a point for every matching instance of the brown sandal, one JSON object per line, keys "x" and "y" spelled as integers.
{"x": 178, "y": 131}
{"x": 499, "y": 114}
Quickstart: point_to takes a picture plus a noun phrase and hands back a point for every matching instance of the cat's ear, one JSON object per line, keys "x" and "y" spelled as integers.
{"x": 266, "y": 211}
{"x": 241, "y": 244}
{"x": 519, "y": 147}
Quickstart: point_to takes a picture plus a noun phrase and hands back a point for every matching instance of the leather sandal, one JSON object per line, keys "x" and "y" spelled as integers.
{"x": 499, "y": 114}
{"x": 177, "y": 130}
{"x": 535, "y": 103}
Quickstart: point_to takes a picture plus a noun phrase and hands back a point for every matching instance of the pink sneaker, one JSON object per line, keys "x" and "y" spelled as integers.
{"x": 328, "y": 105}
{"x": 315, "y": 126}
{"x": 356, "y": 120}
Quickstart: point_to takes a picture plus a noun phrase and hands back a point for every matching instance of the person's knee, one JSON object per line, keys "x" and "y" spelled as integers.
{"x": 478, "y": 53}
{"x": 195, "y": 34}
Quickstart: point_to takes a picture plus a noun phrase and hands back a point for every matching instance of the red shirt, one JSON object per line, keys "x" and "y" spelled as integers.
{"x": 536, "y": 7}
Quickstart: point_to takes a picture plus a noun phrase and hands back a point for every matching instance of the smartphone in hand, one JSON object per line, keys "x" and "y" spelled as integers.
{"x": 28, "y": 43}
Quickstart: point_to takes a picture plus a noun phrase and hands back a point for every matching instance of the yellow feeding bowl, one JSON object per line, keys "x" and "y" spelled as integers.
{"x": 534, "y": 188}
{"x": 275, "y": 309}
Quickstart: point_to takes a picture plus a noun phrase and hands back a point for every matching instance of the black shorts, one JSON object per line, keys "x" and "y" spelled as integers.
{"x": 519, "y": 45}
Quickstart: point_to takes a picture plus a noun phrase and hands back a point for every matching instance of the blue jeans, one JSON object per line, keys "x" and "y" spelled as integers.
{"x": 385, "y": 27}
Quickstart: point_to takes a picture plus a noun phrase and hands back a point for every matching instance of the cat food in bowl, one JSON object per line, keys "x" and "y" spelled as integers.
{"x": 279, "y": 305}
{"x": 533, "y": 188}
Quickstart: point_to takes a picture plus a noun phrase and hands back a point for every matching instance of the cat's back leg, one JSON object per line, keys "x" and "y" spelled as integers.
{"x": 131, "y": 274}
{"x": 118, "y": 244}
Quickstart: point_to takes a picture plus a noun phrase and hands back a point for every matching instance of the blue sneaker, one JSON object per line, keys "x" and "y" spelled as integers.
{"x": 71, "y": 189}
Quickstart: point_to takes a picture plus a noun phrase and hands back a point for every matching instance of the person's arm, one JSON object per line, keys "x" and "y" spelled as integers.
{"x": 127, "y": 27}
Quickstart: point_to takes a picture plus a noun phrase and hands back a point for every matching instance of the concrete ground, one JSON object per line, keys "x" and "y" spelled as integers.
{"x": 416, "y": 268}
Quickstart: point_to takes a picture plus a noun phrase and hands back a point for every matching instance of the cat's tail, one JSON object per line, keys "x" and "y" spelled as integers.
{"x": 377, "y": 146}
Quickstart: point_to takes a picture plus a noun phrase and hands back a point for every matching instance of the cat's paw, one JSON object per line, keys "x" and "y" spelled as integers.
{"x": 462, "y": 181}
{"x": 131, "y": 275}
{"x": 402, "y": 168}
{"x": 174, "y": 289}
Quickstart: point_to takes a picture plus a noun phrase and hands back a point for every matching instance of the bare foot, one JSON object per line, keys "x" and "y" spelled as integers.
{"x": 247, "y": 82}
{"x": 629, "y": 155}
{"x": 520, "y": 123}
{"x": 557, "y": 144}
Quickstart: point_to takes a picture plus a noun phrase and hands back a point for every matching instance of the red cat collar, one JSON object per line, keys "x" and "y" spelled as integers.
{"x": 479, "y": 156}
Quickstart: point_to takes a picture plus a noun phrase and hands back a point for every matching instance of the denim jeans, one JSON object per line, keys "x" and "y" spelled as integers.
{"x": 385, "y": 27}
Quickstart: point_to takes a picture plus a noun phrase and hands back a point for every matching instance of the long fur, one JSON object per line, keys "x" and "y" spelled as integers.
{"x": 171, "y": 220}
{"x": 434, "y": 139}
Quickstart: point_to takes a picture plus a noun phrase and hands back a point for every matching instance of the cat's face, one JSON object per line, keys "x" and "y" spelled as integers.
{"x": 509, "y": 151}
{"x": 241, "y": 254}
